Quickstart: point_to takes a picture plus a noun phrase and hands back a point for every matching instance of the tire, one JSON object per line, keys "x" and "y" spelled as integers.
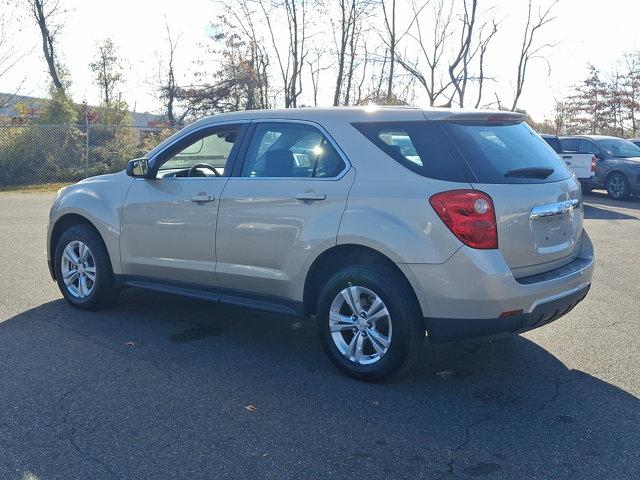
{"x": 91, "y": 294}
{"x": 617, "y": 186}
{"x": 403, "y": 327}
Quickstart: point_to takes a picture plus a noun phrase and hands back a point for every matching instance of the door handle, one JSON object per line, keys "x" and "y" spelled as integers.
{"x": 202, "y": 198}
{"x": 566, "y": 156}
{"x": 311, "y": 196}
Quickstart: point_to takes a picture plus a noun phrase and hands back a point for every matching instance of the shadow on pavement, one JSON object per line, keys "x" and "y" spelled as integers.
{"x": 167, "y": 387}
{"x": 598, "y": 213}
{"x": 599, "y": 197}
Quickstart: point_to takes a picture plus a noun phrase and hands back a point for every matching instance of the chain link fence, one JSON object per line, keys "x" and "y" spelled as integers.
{"x": 41, "y": 154}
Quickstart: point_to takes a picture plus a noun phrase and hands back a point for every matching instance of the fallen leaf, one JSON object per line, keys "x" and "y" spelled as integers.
{"x": 445, "y": 373}
{"x": 250, "y": 408}
{"x": 130, "y": 344}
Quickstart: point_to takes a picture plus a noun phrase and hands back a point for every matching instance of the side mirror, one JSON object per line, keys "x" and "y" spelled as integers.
{"x": 599, "y": 156}
{"x": 138, "y": 167}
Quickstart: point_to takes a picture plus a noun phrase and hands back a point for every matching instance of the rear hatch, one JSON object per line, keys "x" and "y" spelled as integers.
{"x": 536, "y": 198}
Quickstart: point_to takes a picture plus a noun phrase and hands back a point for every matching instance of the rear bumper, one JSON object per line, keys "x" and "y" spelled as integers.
{"x": 448, "y": 329}
{"x": 466, "y": 296}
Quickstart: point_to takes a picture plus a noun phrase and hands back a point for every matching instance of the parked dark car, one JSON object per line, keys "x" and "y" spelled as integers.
{"x": 635, "y": 141}
{"x": 617, "y": 163}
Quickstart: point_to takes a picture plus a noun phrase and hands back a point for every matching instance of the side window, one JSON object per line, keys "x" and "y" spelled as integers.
{"x": 587, "y": 147}
{"x": 570, "y": 144}
{"x": 204, "y": 154}
{"x": 421, "y": 146}
{"x": 400, "y": 141}
{"x": 284, "y": 150}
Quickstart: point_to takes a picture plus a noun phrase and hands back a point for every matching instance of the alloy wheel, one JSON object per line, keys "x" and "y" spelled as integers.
{"x": 617, "y": 186}
{"x": 360, "y": 325}
{"x": 78, "y": 269}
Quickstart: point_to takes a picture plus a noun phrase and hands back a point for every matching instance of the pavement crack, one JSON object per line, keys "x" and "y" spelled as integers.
{"x": 130, "y": 353}
{"x": 609, "y": 325}
{"x": 451, "y": 463}
{"x": 64, "y": 405}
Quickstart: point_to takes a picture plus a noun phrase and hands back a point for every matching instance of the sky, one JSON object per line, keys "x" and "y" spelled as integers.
{"x": 584, "y": 31}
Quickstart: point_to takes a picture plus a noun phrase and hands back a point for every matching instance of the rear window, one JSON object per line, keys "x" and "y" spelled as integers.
{"x": 468, "y": 152}
{"x": 506, "y": 153}
{"x": 553, "y": 142}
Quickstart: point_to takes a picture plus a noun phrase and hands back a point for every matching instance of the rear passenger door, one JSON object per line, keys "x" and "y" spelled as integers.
{"x": 281, "y": 207}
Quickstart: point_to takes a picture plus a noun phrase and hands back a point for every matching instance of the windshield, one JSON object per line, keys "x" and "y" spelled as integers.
{"x": 618, "y": 147}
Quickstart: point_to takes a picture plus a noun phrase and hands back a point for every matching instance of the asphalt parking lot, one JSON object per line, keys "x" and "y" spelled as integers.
{"x": 167, "y": 387}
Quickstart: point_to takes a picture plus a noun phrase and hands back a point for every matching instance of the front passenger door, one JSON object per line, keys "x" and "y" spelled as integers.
{"x": 169, "y": 221}
{"x": 281, "y": 211}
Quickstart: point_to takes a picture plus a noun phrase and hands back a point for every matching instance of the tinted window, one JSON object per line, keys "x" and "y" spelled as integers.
{"x": 617, "y": 147}
{"x": 506, "y": 153}
{"x": 211, "y": 147}
{"x": 553, "y": 143}
{"x": 587, "y": 147}
{"x": 570, "y": 144}
{"x": 420, "y": 146}
{"x": 290, "y": 150}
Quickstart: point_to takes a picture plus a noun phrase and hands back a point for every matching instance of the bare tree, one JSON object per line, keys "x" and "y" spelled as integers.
{"x": 166, "y": 84}
{"x": 45, "y": 12}
{"x": 107, "y": 70}
{"x": 346, "y": 13}
{"x": 615, "y": 103}
{"x": 528, "y": 49}
{"x": 292, "y": 62}
{"x": 315, "y": 69}
{"x": 632, "y": 86}
{"x": 459, "y": 78}
{"x": 363, "y": 75}
{"x": 352, "y": 15}
{"x": 239, "y": 18}
{"x": 390, "y": 24}
{"x": 424, "y": 57}
{"x": 484, "y": 44}
{"x": 10, "y": 56}
{"x": 430, "y": 48}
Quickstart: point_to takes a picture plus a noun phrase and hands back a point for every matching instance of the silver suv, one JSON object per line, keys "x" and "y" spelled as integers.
{"x": 382, "y": 223}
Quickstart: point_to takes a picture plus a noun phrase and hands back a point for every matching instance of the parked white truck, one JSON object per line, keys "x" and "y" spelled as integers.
{"x": 582, "y": 164}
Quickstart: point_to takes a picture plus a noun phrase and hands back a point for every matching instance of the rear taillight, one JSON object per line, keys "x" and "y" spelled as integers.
{"x": 470, "y": 216}
{"x": 593, "y": 163}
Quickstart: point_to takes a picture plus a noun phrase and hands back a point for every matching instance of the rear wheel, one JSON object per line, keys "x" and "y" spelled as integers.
{"x": 369, "y": 322}
{"x": 83, "y": 269}
{"x": 617, "y": 186}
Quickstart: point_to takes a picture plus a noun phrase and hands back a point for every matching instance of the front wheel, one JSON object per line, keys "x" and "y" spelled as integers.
{"x": 83, "y": 269}
{"x": 369, "y": 322}
{"x": 617, "y": 186}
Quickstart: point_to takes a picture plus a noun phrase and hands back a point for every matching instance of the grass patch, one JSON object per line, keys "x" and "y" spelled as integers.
{"x": 41, "y": 188}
